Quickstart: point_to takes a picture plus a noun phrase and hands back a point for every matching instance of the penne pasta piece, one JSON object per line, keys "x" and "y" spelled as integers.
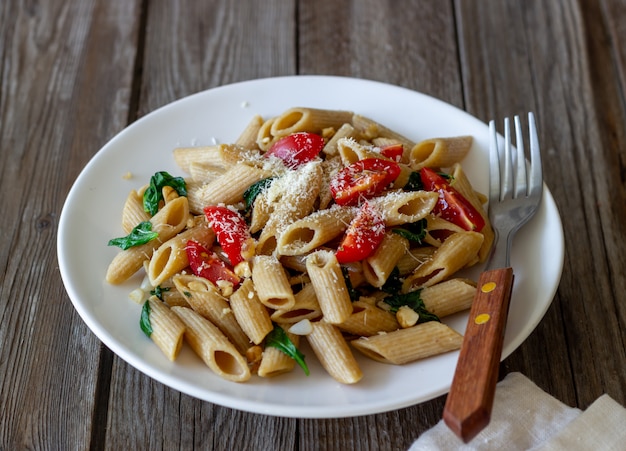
{"x": 271, "y": 283}
{"x": 251, "y": 314}
{"x": 415, "y": 257}
{"x": 345, "y": 131}
{"x": 438, "y": 229}
{"x": 229, "y": 188}
{"x": 351, "y": 151}
{"x": 333, "y": 352}
{"x": 314, "y": 230}
{"x": 410, "y": 344}
{"x": 167, "y": 328}
{"x": 305, "y": 306}
{"x": 274, "y": 362}
{"x": 248, "y": 138}
{"x": 264, "y": 138}
{"x": 212, "y": 346}
{"x": 202, "y": 173}
{"x": 330, "y": 286}
{"x": 463, "y": 186}
{"x": 439, "y": 152}
{"x": 204, "y": 298}
{"x": 308, "y": 120}
{"x": 378, "y": 266}
{"x": 446, "y": 298}
{"x": 400, "y": 207}
{"x": 171, "y": 257}
{"x": 168, "y": 221}
{"x": 456, "y": 252}
{"x": 367, "y": 319}
{"x": 370, "y": 129}
{"x": 133, "y": 212}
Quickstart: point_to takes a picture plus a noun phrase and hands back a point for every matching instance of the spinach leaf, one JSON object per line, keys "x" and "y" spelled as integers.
{"x": 394, "y": 282}
{"x": 254, "y": 190}
{"x": 414, "y": 183}
{"x": 144, "y": 320}
{"x": 278, "y": 339}
{"x": 354, "y": 294}
{"x": 154, "y": 193}
{"x": 412, "y": 231}
{"x": 158, "y": 291}
{"x": 141, "y": 234}
{"x": 414, "y": 301}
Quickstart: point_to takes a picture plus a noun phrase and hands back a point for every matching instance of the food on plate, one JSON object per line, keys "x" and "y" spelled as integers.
{"x": 315, "y": 225}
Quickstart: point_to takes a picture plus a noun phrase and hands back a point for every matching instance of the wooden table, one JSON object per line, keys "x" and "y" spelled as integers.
{"x": 75, "y": 73}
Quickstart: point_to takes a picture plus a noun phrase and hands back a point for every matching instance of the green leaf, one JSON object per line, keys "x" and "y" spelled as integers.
{"x": 158, "y": 291}
{"x": 354, "y": 294}
{"x": 414, "y": 183}
{"x": 394, "y": 282}
{"x": 412, "y": 231}
{"x": 141, "y": 234}
{"x": 414, "y": 301}
{"x": 254, "y": 190}
{"x": 144, "y": 320}
{"x": 278, "y": 339}
{"x": 154, "y": 193}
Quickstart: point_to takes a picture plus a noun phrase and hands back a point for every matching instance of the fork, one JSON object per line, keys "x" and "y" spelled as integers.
{"x": 515, "y": 191}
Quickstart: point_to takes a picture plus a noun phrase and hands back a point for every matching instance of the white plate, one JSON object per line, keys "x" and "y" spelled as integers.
{"x": 91, "y": 216}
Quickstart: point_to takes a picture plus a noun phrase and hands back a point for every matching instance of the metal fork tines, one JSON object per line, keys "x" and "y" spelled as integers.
{"x": 515, "y": 187}
{"x": 515, "y": 193}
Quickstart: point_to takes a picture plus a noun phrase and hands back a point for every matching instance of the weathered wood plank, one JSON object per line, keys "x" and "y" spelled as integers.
{"x": 410, "y": 44}
{"x": 52, "y": 120}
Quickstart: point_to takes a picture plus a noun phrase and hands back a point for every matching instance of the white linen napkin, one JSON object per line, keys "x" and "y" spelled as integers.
{"x": 524, "y": 417}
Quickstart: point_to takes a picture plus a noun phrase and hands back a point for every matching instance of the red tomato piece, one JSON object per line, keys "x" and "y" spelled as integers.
{"x": 362, "y": 180}
{"x": 393, "y": 151}
{"x": 297, "y": 149}
{"x": 452, "y": 206}
{"x": 207, "y": 264}
{"x": 364, "y": 235}
{"x": 231, "y": 231}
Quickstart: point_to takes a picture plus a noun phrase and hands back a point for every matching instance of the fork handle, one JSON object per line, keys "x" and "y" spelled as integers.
{"x": 470, "y": 400}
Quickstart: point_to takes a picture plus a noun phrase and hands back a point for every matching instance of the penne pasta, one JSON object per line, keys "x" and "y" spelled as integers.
{"x": 408, "y": 345}
{"x": 439, "y": 152}
{"x": 212, "y": 346}
{"x": 308, "y": 120}
{"x": 204, "y": 298}
{"x": 167, "y": 329}
{"x": 330, "y": 287}
{"x": 333, "y": 352}
{"x": 456, "y": 252}
{"x": 251, "y": 314}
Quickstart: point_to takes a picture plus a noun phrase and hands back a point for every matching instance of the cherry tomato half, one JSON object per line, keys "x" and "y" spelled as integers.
{"x": 362, "y": 180}
{"x": 452, "y": 206}
{"x": 393, "y": 151}
{"x": 207, "y": 264}
{"x": 297, "y": 149}
{"x": 364, "y": 235}
{"x": 231, "y": 231}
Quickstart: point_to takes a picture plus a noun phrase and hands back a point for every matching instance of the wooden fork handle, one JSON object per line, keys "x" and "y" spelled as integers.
{"x": 470, "y": 400}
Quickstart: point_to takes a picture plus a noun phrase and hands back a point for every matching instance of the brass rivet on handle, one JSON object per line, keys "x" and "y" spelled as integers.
{"x": 482, "y": 318}
{"x": 489, "y": 286}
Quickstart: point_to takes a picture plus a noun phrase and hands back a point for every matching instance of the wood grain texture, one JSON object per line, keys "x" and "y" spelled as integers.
{"x": 52, "y": 121}
{"x": 73, "y": 74}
